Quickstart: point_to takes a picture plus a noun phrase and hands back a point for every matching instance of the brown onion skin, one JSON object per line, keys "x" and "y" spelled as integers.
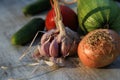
{"x": 100, "y": 55}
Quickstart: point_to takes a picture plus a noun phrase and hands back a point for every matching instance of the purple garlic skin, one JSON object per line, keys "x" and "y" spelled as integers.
{"x": 44, "y": 48}
{"x": 56, "y": 46}
{"x": 66, "y": 42}
{"x": 48, "y": 34}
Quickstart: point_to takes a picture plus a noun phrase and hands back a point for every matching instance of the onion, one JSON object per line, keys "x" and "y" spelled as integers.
{"x": 99, "y": 48}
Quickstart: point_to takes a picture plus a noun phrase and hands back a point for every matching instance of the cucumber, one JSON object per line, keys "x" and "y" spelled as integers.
{"x": 36, "y": 7}
{"x": 28, "y": 31}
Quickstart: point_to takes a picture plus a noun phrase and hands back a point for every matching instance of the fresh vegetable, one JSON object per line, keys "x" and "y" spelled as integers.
{"x": 94, "y": 14}
{"x": 28, "y": 31}
{"x": 58, "y": 43}
{"x": 36, "y": 7}
{"x": 68, "y": 15}
{"x": 99, "y": 48}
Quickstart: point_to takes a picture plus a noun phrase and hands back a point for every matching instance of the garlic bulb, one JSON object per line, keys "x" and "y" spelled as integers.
{"x": 60, "y": 42}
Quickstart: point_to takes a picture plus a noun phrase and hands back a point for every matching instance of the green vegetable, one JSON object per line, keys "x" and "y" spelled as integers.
{"x": 28, "y": 31}
{"x": 94, "y": 14}
{"x": 36, "y": 7}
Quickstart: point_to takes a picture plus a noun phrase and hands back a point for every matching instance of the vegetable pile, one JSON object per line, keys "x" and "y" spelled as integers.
{"x": 99, "y": 22}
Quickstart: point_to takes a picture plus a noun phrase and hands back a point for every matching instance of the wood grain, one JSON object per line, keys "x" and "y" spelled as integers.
{"x": 11, "y": 20}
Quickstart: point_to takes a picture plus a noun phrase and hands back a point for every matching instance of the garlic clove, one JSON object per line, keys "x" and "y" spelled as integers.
{"x": 44, "y": 48}
{"x": 46, "y": 36}
{"x": 53, "y": 50}
{"x": 66, "y": 46}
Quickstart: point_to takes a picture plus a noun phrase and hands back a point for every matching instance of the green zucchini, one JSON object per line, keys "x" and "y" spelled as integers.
{"x": 28, "y": 31}
{"x": 36, "y": 7}
{"x": 94, "y": 14}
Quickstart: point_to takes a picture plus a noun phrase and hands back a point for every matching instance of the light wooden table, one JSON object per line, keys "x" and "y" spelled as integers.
{"x": 12, "y": 19}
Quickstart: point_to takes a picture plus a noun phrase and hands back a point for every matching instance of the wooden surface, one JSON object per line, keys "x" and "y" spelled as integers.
{"x": 11, "y": 20}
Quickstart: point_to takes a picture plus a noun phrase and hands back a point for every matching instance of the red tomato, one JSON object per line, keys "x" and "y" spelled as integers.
{"x": 69, "y": 18}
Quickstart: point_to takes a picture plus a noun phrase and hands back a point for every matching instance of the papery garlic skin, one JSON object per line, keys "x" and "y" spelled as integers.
{"x": 59, "y": 46}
